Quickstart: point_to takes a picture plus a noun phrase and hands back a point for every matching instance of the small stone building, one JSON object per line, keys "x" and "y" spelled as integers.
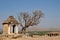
{"x": 10, "y": 26}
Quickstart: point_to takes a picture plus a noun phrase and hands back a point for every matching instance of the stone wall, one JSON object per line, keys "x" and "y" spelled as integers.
{"x": 5, "y": 28}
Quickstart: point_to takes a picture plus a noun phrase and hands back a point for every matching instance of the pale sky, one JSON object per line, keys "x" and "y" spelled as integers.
{"x": 50, "y": 8}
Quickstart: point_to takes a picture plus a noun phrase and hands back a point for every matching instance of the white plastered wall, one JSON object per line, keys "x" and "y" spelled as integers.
{"x": 10, "y": 29}
{"x": 16, "y": 29}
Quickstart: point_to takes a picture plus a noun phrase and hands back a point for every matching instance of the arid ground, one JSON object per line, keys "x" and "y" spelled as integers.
{"x": 35, "y": 37}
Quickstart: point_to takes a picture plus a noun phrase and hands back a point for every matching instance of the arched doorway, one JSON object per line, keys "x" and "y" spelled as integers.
{"x": 13, "y": 28}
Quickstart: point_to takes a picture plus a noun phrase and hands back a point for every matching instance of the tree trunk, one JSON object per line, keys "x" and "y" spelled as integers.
{"x": 23, "y": 30}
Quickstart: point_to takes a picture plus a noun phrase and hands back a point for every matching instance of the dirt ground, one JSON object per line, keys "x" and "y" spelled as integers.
{"x": 35, "y": 38}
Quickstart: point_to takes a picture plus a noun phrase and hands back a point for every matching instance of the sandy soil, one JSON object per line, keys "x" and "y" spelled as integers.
{"x": 36, "y": 38}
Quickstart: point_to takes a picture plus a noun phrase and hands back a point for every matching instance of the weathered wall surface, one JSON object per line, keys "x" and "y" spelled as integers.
{"x": 5, "y": 28}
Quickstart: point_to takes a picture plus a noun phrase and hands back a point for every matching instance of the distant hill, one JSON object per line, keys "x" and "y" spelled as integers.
{"x": 43, "y": 29}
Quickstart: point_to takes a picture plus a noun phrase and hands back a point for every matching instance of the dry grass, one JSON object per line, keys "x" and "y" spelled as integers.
{"x": 35, "y": 37}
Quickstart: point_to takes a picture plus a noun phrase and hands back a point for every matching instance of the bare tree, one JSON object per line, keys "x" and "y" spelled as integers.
{"x": 27, "y": 20}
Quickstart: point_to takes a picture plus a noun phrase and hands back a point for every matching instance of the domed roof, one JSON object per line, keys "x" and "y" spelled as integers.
{"x": 10, "y": 19}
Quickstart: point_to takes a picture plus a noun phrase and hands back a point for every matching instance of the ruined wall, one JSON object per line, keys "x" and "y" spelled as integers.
{"x": 5, "y": 28}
